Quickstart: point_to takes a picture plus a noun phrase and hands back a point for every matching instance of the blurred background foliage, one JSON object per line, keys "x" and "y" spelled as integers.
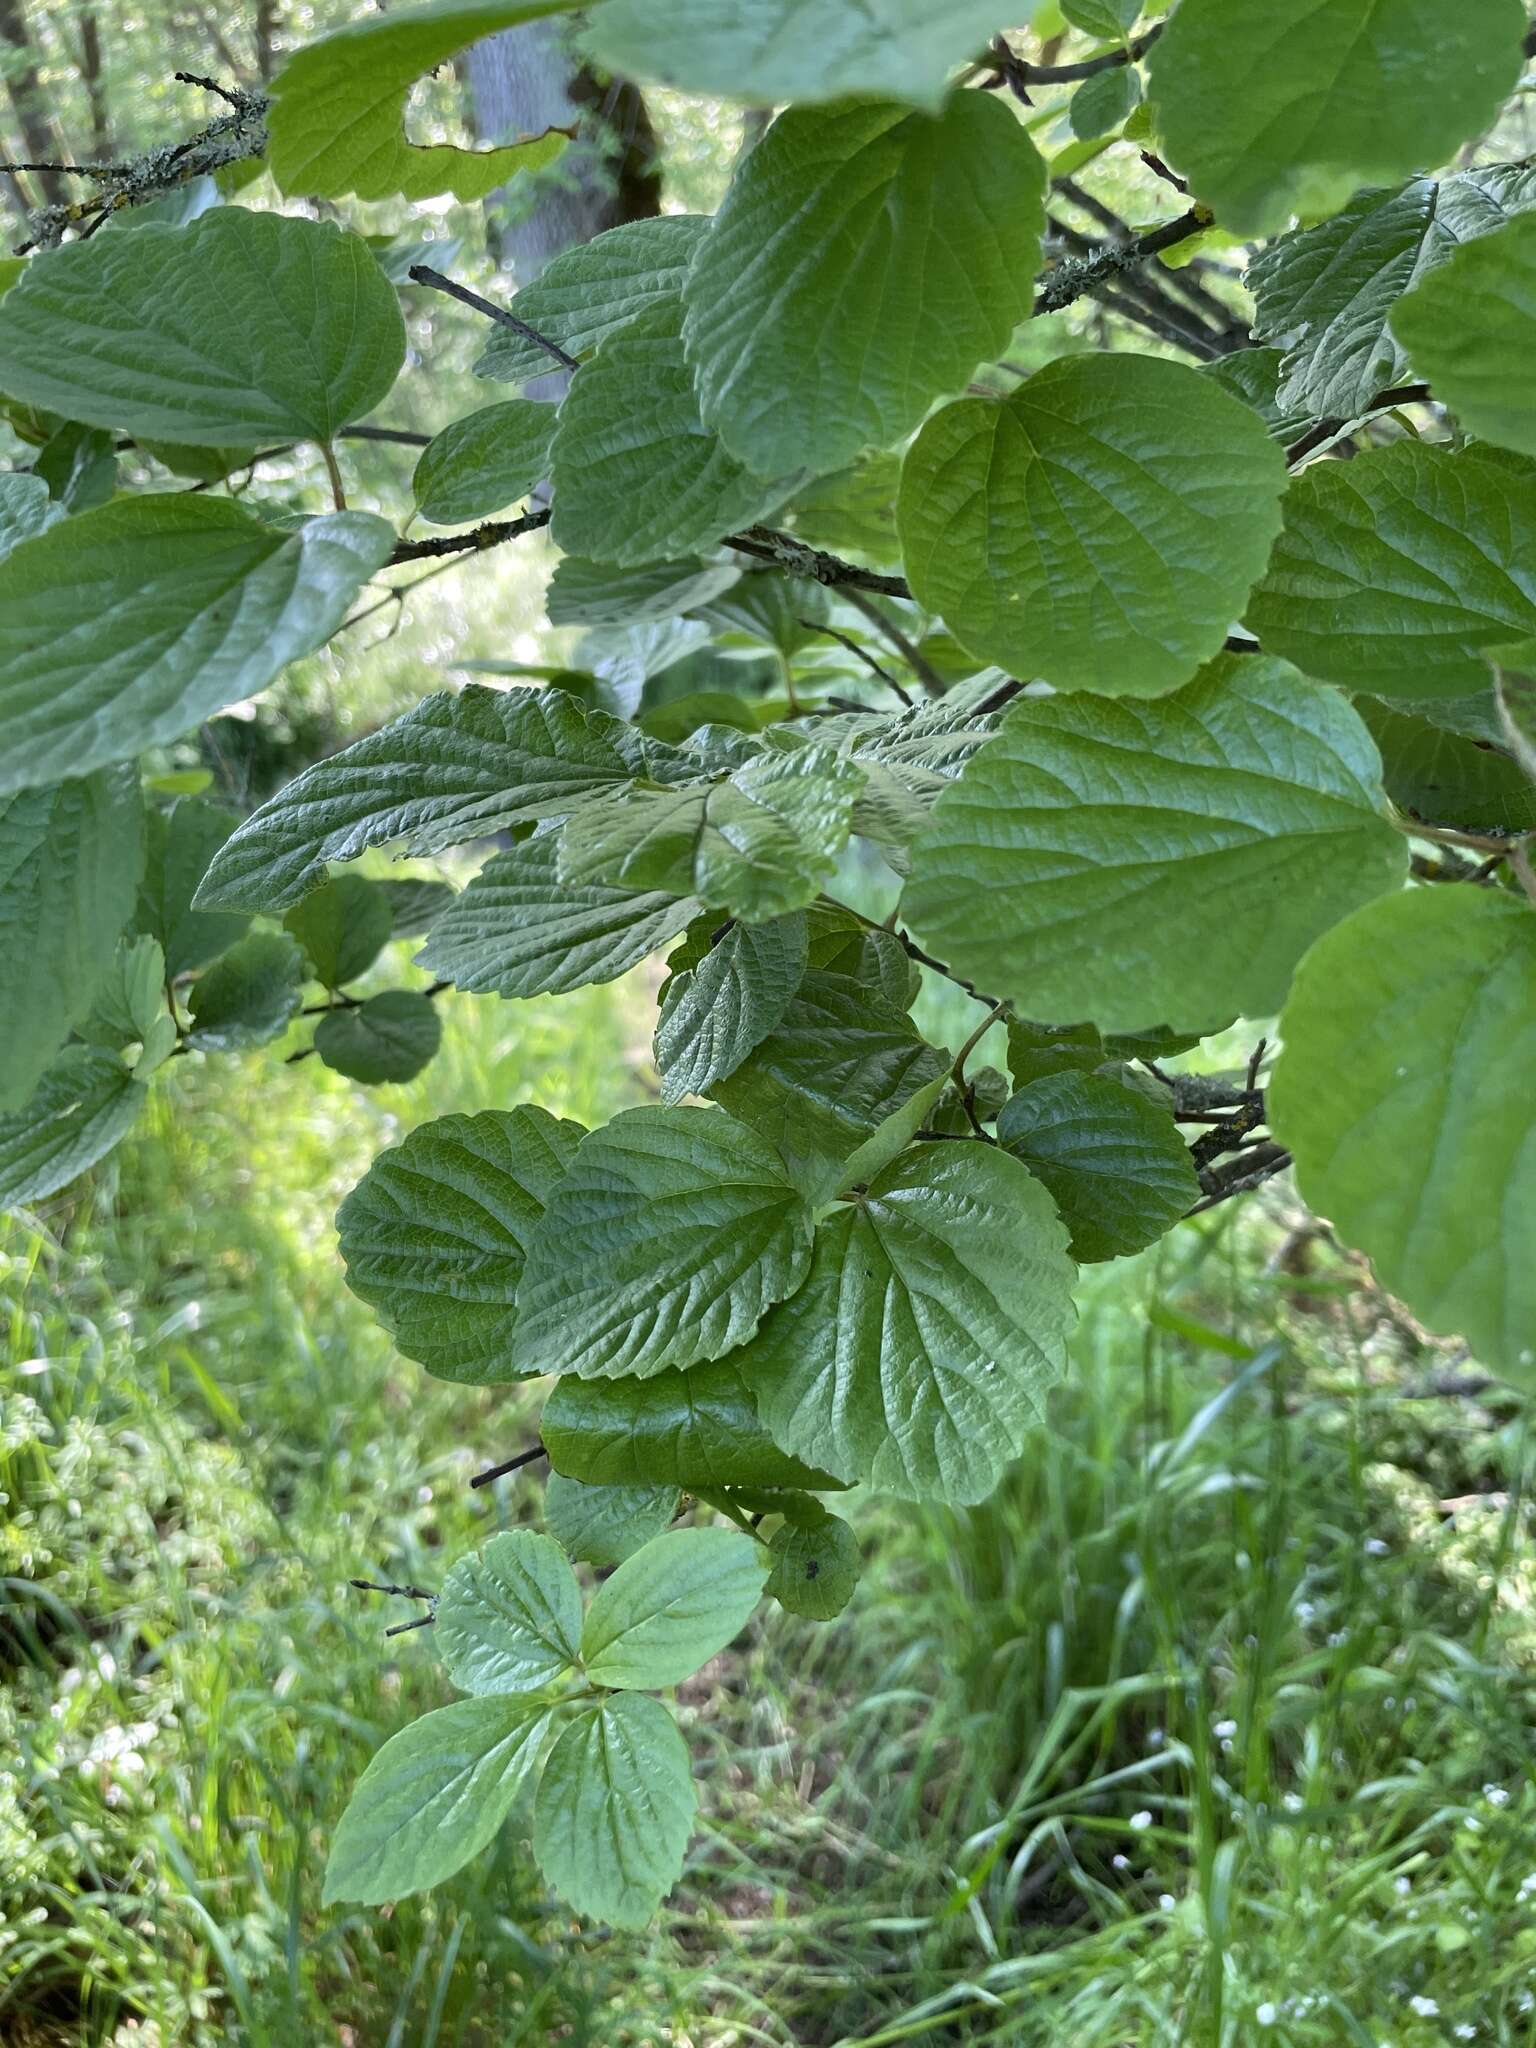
{"x": 1214, "y": 1726}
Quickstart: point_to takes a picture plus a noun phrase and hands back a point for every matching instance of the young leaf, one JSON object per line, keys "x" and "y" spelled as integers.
{"x": 509, "y": 1616}
{"x": 337, "y": 120}
{"x": 602, "y": 1525}
{"x": 390, "y": 1037}
{"x": 816, "y": 1566}
{"x": 1112, "y": 1162}
{"x": 637, "y": 474}
{"x": 1104, "y": 102}
{"x": 248, "y": 995}
{"x": 1326, "y": 293}
{"x": 484, "y": 461}
{"x": 690, "y": 1429}
{"x": 769, "y": 51}
{"x": 674, "y": 1232}
{"x": 1471, "y": 328}
{"x": 242, "y": 329}
{"x": 671, "y": 1606}
{"x": 26, "y": 508}
{"x": 1105, "y": 859}
{"x": 1109, "y": 20}
{"x": 129, "y": 1004}
{"x": 590, "y": 291}
{"x": 1101, "y": 527}
{"x": 456, "y": 767}
{"x": 720, "y": 1006}
{"x": 583, "y": 593}
{"x": 69, "y": 858}
{"x": 1394, "y": 572}
{"x": 79, "y": 1110}
{"x": 435, "y": 1234}
{"x": 1403, "y": 1091}
{"x": 518, "y": 930}
{"x": 935, "y": 1317}
{"x": 825, "y": 314}
{"x": 342, "y": 926}
{"x": 614, "y": 1809}
{"x": 178, "y": 845}
{"x": 125, "y": 626}
{"x": 1265, "y": 121}
{"x": 433, "y": 1797}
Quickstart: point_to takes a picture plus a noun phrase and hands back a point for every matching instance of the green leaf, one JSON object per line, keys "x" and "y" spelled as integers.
{"x": 852, "y": 511}
{"x": 1114, "y": 1164}
{"x": 918, "y": 1353}
{"x": 583, "y": 593}
{"x": 1109, "y": 20}
{"x": 1101, "y": 527}
{"x": 125, "y": 626}
{"x": 1515, "y": 698}
{"x": 674, "y": 1232}
{"x": 614, "y": 1809}
{"x": 1266, "y": 117}
{"x": 1395, "y": 571}
{"x": 242, "y": 329}
{"x": 79, "y": 466}
{"x": 1104, "y": 102}
{"x": 1106, "y": 859}
{"x": 590, "y": 291}
{"x": 725, "y": 1001}
{"x": 337, "y": 119}
{"x": 816, "y": 1566}
{"x": 1470, "y": 329}
{"x": 671, "y": 1607}
{"x": 841, "y": 943}
{"x": 1444, "y": 778}
{"x": 390, "y": 1037}
{"x": 637, "y": 474}
{"x": 26, "y": 508}
{"x": 129, "y": 1005}
{"x": 79, "y": 1110}
{"x": 1403, "y": 1091}
{"x": 825, "y": 314}
{"x": 415, "y": 903}
{"x": 433, "y": 1797}
{"x": 1327, "y": 293}
{"x": 509, "y": 1616}
{"x": 1253, "y": 375}
{"x": 763, "y": 842}
{"x": 69, "y": 860}
{"x": 623, "y": 659}
{"x": 484, "y": 461}
{"x": 178, "y": 845}
{"x": 769, "y": 51}
{"x": 1038, "y": 1050}
{"x": 455, "y": 768}
{"x": 342, "y": 926}
{"x": 839, "y": 1063}
{"x": 248, "y": 996}
{"x": 602, "y": 1525}
{"x": 689, "y": 1429}
{"x": 518, "y": 930}
{"x": 435, "y": 1234}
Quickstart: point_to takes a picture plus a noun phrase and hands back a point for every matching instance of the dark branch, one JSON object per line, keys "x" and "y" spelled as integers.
{"x": 511, "y": 1465}
{"x": 1019, "y": 76}
{"x": 490, "y": 535}
{"x": 1241, "y": 1175}
{"x": 1077, "y": 275}
{"x": 767, "y": 544}
{"x": 422, "y": 273}
{"x": 1324, "y": 430}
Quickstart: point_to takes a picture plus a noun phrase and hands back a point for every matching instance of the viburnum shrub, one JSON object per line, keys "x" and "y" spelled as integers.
{"x": 1174, "y": 683}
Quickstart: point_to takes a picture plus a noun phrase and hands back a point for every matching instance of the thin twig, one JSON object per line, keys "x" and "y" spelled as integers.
{"x": 1324, "y": 430}
{"x": 511, "y": 1465}
{"x": 910, "y": 653}
{"x": 767, "y": 544}
{"x": 860, "y": 654}
{"x": 422, "y": 273}
{"x": 490, "y": 535}
{"x": 1019, "y": 76}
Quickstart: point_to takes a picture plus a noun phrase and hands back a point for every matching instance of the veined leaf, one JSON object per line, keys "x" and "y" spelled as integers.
{"x": 865, "y": 260}
{"x": 415, "y": 903}
{"x": 509, "y": 1616}
{"x": 602, "y": 1525}
{"x": 583, "y": 593}
{"x": 1395, "y": 571}
{"x": 435, "y": 1234}
{"x": 1109, "y": 859}
{"x": 1470, "y": 329}
{"x": 671, "y": 1606}
{"x": 337, "y": 120}
{"x": 342, "y": 926}
{"x": 69, "y": 861}
{"x": 26, "y": 508}
{"x": 129, "y": 1006}
{"x": 1443, "y": 777}
{"x": 935, "y": 1317}
{"x": 79, "y": 1110}
{"x": 725, "y": 1000}
{"x": 615, "y": 1808}
{"x": 178, "y": 845}
{"x": 1101, "y": 527}
{"x": 249, "y": 995}
{"x": 242, "y": 329}
{"x": 126, "y": 625}
{"x": 674, "y": 1232}
{"x": 390, "y": 1037}
{"x": 590, "y": 291}
{"x": 518, "y": 930}
{"x": 1265, "y": 121}
{"x": 692, "y": 1429}
{"x": 433, "y": 1797}
{"x": 816, "y": 1566}
{"x": 484, "y": 461}
{"x": 1404, "y": 1092}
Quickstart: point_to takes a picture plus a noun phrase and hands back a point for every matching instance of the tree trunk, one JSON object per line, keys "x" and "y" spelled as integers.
{"x": 90, "y": 74}
{"x": 265, "y": 31}
{"x": 18, "y": 59}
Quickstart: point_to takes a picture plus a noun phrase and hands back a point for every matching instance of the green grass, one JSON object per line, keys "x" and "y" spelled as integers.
{"x": 1214, "y": 1726}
